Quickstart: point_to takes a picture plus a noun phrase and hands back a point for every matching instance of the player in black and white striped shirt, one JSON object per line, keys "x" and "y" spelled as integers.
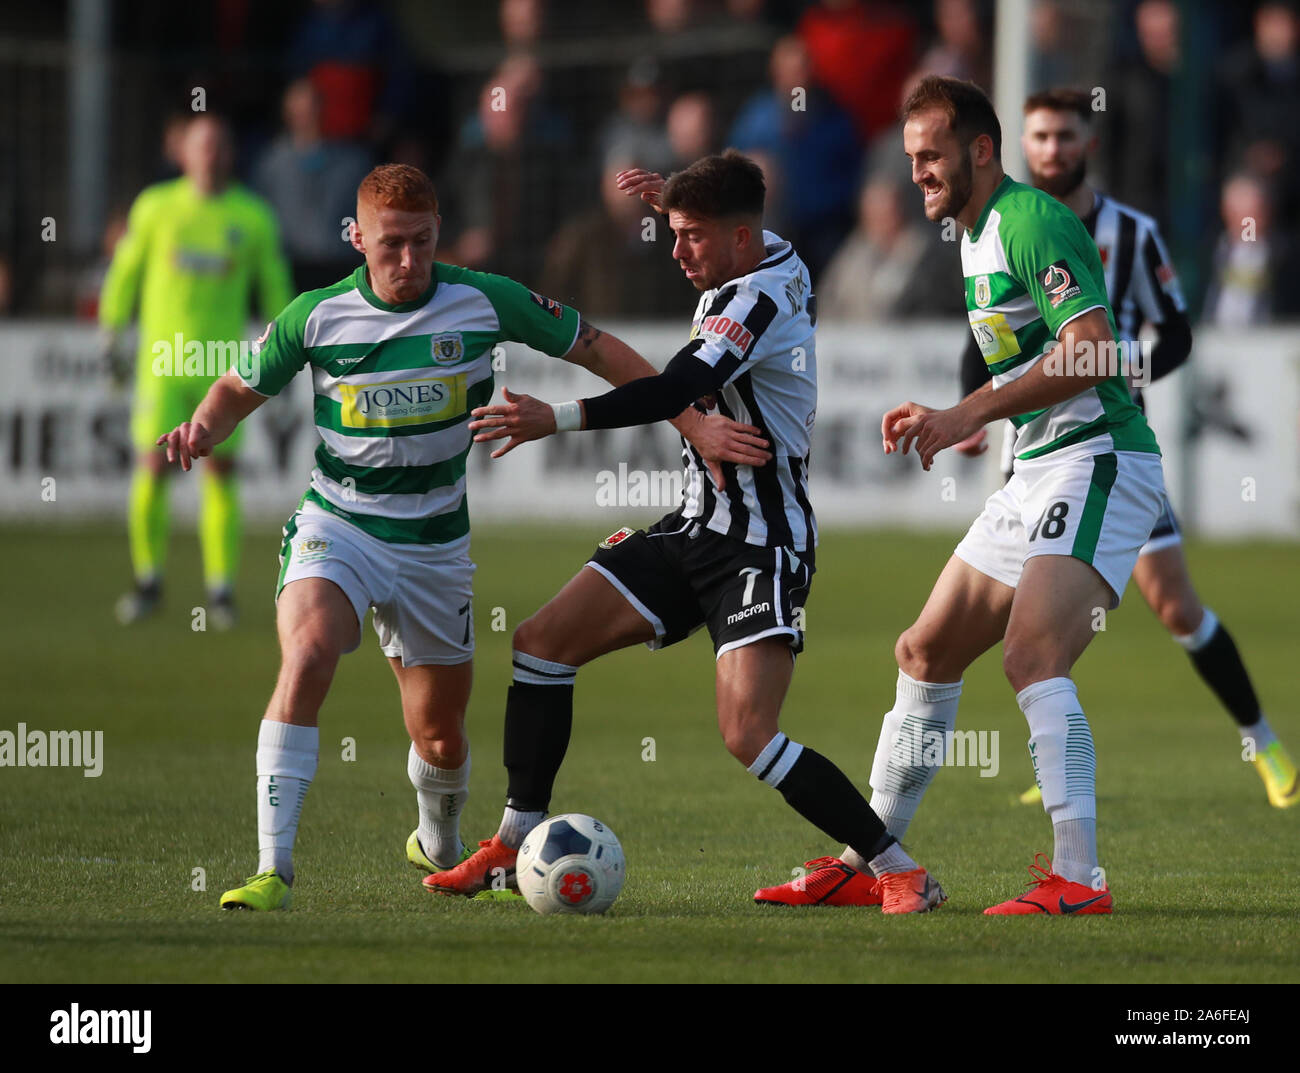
{"x": 736, "y": 557}
{"x": 1143, "y": 289}
{"x": 741, "y": 323}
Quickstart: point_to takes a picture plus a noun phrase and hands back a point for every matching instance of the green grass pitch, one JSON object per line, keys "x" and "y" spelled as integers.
{"x": 98, "y": 873}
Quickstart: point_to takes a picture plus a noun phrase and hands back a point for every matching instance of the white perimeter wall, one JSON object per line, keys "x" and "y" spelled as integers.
{"x": 1239, "y": 477}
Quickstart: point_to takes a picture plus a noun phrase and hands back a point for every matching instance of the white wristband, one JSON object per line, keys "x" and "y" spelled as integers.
{"x": 568, "y": 416}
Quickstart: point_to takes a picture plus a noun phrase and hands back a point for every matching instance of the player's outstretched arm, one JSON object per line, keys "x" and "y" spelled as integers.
{"x": 639, "y": 402}
{"x": 227, "y": 403}
{"x": 717, "y": 438}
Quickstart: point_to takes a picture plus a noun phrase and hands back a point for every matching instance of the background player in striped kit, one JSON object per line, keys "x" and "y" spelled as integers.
{"x": 1058, "y": 140}
{"x": 736, "y": 556}
{"x": 400, "y": 351}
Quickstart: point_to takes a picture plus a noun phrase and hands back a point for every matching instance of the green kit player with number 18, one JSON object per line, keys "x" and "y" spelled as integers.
{"x": 1054, "y": 548}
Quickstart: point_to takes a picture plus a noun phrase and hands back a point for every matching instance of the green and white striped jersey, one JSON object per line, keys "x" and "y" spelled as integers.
{"x": 1030, "y": 267}
{"x": 394, "y": 386}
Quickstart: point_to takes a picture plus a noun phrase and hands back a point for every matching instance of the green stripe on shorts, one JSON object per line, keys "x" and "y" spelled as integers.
{"x": 286, "y": 549}
{"x": 1104, "y": 468}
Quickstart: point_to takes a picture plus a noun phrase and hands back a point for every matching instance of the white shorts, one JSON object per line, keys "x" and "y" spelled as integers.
{"x": 1166, "y": 533}
{"x": 1099, "y": 508}
{"x": 422, "y": 593}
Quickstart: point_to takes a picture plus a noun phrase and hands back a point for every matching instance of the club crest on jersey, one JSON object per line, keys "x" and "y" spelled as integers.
{"x": 617, "y": 538}
{"x": 312, "y": 550}
{"x": 550, "y": 305}
{"x": 730, "y": 333}
{"x": 983, "y": 293}
{"x": 448, "y": 349}
{"x": 1058, "y": 282}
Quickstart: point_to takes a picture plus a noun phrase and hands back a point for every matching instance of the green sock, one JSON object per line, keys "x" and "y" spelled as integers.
{"x": 219, "y": 529}
{"x": 147, "y": 518}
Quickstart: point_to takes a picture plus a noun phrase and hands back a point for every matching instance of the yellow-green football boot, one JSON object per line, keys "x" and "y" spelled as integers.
{"x": 264, "y": 891}
{"x": 416, "y": 855}
{"x": 1032, "y": 796}
{"x": 1278, "y": 771}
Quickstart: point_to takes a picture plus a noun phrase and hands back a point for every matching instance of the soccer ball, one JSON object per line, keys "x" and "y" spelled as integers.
{"x": 570, "y": 864}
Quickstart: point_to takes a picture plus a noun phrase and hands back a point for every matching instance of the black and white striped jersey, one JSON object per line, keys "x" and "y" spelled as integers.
{"x": 757, "y": 333}
{"x": 1140, "y": 278}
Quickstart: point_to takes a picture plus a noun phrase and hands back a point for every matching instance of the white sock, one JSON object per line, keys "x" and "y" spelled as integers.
{"x": 286, "y": 764}
{"x": 913, "y": 737}
{"x": 773, "y": 764}
{"x": 440, "y": 794}
{"x": 515, "y": 826}
{"x": 541, "y": 672}
{"x": 893, "y": 859}
{"x": 1065, "y": 767}
{"x": 1200, "y": 636}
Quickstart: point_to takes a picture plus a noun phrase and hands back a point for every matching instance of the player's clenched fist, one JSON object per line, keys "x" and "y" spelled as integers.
{"x": 187, "y": 442}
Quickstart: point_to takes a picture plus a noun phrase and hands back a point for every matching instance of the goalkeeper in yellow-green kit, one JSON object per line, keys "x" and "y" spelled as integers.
{"x": 195, "y": 249}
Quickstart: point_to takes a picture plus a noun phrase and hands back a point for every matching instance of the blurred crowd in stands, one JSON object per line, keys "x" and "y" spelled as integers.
{"x": 525, "y": 110}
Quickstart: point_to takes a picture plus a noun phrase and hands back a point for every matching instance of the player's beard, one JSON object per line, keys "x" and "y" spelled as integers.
{"x": 1063, "y": 185}
{"x": 960, "y": 188}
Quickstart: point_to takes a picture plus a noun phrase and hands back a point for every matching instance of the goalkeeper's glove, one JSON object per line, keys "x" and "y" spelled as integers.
{"x": 116, "y": 358}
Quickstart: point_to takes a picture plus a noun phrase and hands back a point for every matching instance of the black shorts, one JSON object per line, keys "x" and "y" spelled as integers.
{"x": 681, "y": 576}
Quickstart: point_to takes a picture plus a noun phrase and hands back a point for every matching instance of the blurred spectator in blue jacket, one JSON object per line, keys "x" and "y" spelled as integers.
{"x": 811, "y": 143}
{"x": 311, "y": 182}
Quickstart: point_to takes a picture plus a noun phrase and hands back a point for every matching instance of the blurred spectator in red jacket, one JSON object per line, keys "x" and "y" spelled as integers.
{"x": 862, "y": 53}
{"x": 356, "y": 59}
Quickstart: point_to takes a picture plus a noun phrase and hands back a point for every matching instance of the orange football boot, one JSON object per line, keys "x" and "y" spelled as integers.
{"x": 493, "y": 863}
{"x": 829, "y": 882}
{"x": 910, "y": 892}
{"x": 1054, "y": 895}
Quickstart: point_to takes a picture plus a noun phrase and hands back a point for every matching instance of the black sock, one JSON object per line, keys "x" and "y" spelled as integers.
{"x": 823, "y": 795}
{"x": 1219, "y": 663}
{"x": 538, "y": 722}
